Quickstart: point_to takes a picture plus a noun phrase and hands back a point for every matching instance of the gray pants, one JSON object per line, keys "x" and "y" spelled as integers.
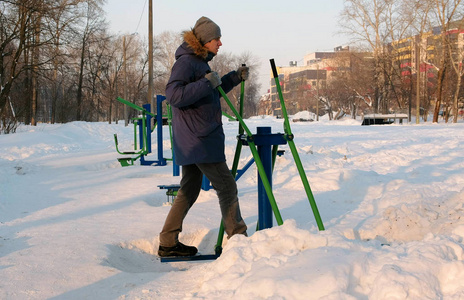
{"x": 190, "y": 186}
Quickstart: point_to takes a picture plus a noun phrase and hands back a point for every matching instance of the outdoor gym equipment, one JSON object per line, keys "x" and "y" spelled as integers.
{"x": 264, "y": 173}
{"x": 264, "y": 139}
{"x": 144, "y": 124}
{"x": 264, "y": 157}
{"x": 141, "y": 122}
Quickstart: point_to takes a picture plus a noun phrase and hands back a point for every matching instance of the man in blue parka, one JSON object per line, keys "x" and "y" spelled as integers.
{"x": 198, "y": 134}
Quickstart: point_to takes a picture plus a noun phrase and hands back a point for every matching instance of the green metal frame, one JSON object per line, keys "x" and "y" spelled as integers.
{"x": 288, "y": 136}
{"x": 229, "y": 116}
{"x": 126, "y": 161}
{"x": 238, "y": 150}
{"x": 169, "y": 116}
{"x": 294, "y": 151}
{"x": 244, "y": 128}
{"x": 129, "y": 161}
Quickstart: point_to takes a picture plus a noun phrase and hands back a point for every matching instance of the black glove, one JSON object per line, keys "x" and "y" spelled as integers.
{"x": 243, "y": 72}
{"x": 214, "y": 79}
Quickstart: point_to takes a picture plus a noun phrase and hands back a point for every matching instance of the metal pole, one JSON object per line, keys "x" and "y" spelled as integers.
{"x": 418, "y": 82}
{"x": 294, "y": 151}
{"x": 238, "y": 150}
{"x": 126, "y": 121}
{"x": 258, "y": 162}
{"x": 159, "y": 121}
{"x": 150, "y": 98}
{"x": 264, "y": 206}
{"x": 147, "y": 130}
{"x": 238, "y": 147}
{"x": 317, "y": 97}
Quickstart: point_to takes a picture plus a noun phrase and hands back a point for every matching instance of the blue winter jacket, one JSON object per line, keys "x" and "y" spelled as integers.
{"x": 198, "y": 135}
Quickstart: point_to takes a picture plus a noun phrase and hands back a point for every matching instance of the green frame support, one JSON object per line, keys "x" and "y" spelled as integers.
{"x": 135, "y": 106}
{"x": 290, "y": 140}
{"x": 238, "y": 150}
{"x": 144, "y": 149}
{"x": 259, "y": 164}
{"x": 294, "y": 151}
{"x": 144, "y": 135}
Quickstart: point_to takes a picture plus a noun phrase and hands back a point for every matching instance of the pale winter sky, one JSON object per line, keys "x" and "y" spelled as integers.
{"x": 285, "y": 30}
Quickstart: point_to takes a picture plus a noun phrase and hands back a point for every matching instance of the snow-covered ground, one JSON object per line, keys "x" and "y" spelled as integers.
{"x": 74, "y": 224}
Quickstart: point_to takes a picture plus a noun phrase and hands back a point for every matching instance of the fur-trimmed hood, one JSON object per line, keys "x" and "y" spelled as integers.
{"x": 198, "y": 136}
{"x": 194, "y": 44}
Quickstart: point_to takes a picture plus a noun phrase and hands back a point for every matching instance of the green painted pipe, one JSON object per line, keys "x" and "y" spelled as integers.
{"x": 238, "y": 147}
{"x": 229, "y": 116}
{"x": 275, "y": 149}
{"x": 144, "y": 113}
{"x": 258, "y": 162}
{"x": 238, "y": 150}
{"x": 135, "y": 136}
{"x": 294, "y": 151}
{"x": 134, "y": 106}
{"x": 170, "y": 129}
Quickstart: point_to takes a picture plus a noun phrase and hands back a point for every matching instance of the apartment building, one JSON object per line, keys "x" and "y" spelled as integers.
{"x": 300, "y": 83}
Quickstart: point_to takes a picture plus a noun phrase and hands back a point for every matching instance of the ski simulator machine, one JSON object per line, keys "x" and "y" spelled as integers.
{"x": 264, "y": 148}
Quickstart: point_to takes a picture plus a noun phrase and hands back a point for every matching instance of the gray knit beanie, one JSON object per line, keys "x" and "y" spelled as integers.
{"x": 206, "y": 30}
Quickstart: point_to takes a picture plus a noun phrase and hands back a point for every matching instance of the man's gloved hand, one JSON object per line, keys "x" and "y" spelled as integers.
{"x": 214, "y": 79}
{"x": 243, "y": 72}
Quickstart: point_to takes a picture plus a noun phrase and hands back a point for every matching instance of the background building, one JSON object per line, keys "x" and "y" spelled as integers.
{"x": 301, "y": 85}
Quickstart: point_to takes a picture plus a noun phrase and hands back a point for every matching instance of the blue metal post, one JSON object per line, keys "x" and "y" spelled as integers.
{"x": 147, "y": 127}
{"x": 205, "y": 184}
{"x": 159, "y": 121}
{"x": 264, "y": 140}
{"x": 141, "y": 130}
{"x": 264, "y": 206}
{"x": 175, "y": 167}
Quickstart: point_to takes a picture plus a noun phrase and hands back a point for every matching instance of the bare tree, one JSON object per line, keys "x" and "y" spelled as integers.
{"x": 445, "y": 11}
{"x": 377, "y": 26}
{"x": 418, "y": 11}
{"x": 352, "y": 83}
{"x": 16, "y": 23}
{"x": 166, "y": 45}
{"x": 366, "y": 22}
{"x": 58, "y": 26}
{"x": 58, "y": 63}
{"x": 92, "y": 23}
{"x": 252, "y": 86}
{"x": 226, "y": 62}
{"x": 456, "y": 55}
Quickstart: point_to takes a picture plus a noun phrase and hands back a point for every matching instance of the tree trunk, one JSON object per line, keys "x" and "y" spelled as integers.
{"x": 35, "y": 69}
{"x": 455, "y": 101}
{"x": 440, "y": 80}
{"x": 81, "y": 80}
